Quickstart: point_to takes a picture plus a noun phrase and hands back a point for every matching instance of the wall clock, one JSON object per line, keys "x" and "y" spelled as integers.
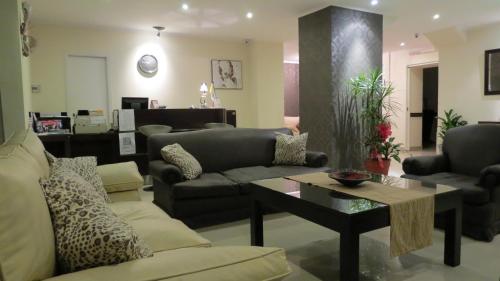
{"x": 148, "y": 65}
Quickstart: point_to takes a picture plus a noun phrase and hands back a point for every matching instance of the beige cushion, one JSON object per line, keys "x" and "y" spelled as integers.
{"x": 120, "y": 177}
{"x": 26, "y": 236}
{"x": 32, "y": 144}
{"x": 207, "y": 264}
{"x": 156, "y": 228}
{"x": 130, "y": 195}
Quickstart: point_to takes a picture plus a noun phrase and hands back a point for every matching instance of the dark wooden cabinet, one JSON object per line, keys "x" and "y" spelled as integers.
{"x": 231, "y": 117}
{"x": 104, "y": 147}
{"x": 180, "y": 119}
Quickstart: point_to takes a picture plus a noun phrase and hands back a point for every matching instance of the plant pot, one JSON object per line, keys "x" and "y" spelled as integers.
{"x": 378, "y": 167}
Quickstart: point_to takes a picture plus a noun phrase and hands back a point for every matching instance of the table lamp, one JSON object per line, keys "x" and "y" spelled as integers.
{"x": 203, "y": 98}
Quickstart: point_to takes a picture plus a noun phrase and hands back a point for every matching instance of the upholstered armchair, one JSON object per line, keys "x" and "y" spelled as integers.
{"x": 471, "y": 162}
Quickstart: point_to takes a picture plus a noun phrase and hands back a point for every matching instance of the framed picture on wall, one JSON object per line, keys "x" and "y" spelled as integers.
{"x": 492, "y": 72}
{"x": 226, "y": 74}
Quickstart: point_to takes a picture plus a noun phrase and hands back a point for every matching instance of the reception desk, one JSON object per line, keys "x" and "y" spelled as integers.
{"x": 184, "y": 119}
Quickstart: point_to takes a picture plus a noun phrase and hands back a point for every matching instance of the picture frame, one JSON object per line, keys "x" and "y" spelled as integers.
{"x": 492, "y": 72}
{"x": 227, "y": 74}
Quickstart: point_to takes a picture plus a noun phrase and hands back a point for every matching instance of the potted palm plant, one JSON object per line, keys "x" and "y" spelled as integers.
{"x": 377, "y": 108}
{"x": 450, "y": 120}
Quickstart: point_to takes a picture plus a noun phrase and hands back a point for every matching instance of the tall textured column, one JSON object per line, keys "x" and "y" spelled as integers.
{"x": 336, "y": 44}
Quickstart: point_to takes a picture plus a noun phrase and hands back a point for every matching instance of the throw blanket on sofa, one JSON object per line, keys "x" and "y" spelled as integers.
{"x": 411, "y": 211}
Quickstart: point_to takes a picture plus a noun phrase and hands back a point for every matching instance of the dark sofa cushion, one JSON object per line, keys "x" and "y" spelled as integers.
{"x": 248, "y": 174}
{"x": 472, "y": 194}
{"x": 285, "y": 171}
{"x": 245, "y": 175}
{"x": 207, "y": 185}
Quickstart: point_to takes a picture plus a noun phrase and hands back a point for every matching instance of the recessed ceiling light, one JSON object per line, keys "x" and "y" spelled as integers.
{"x": 436, "y": 16}
{"x": 185, "y": 6}
{"x": 402, "y": 44}
{"x": 249, "y": 15}
{"x": 374, "y": 2}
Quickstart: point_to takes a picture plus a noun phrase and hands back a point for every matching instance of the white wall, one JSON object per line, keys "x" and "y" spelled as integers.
{"x": 461, "y": 75}
{"x": 184, "y": 63}
{"x": 395, "y": 68}
{"x": 14, "y": 71}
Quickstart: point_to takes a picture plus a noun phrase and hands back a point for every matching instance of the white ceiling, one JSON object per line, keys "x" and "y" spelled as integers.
{"x": 274, "y": 20}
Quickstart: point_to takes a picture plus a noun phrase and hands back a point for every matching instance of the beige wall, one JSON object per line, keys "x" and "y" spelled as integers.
{"x": 267, "y": 79}
{"x": 461, "y": 75}
{"x": 14, "y": 71}
{"x": 184, "y": 63}
{"x": 395, "y": 68}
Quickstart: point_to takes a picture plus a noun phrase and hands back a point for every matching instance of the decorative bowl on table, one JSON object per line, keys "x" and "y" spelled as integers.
{"x": 350, "y": 178}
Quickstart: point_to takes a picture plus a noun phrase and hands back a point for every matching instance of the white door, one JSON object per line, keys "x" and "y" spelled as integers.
{"x": 86, "y": 84}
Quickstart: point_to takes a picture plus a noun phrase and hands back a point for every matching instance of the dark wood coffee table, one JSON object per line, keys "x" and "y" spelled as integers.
{"x": 351, "y": 216}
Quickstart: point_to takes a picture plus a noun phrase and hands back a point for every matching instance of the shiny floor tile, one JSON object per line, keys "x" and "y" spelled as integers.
{"x": 312, "y": 252}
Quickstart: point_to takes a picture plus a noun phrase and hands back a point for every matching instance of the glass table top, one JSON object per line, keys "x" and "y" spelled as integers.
{"x": 345, "y": 203}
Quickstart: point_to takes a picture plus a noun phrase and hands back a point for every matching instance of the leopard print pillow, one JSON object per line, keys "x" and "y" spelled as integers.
{"x": 86, "y": 167}
{"x": 88, "y": 234}
{"x": 290, "y": 150}
{"x": 176, "y": 155}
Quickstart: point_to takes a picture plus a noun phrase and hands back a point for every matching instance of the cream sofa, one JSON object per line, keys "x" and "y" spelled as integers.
{"x": 27, "y": 250}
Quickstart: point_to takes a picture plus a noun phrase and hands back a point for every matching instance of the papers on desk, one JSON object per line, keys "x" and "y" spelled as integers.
{"x": 126, "y": 119}
{"x": 127, "y": 143}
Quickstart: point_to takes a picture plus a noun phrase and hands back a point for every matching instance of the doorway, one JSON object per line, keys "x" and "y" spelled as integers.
{"x": 422, "y": 106}
{"x": 86, "y": 84}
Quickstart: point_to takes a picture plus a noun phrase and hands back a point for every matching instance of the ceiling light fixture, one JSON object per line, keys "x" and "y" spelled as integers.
{"x": 185, "y": 6}
{"x": 374, "y": 2}
{"x": 249, "y": 15}
{"x": 402, "y": 44}
{"x": 158, "y": 29}
{"x": 436, "y": 16}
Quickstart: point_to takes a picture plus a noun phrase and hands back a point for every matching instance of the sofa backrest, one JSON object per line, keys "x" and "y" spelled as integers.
{"x": 471, "y": 148}
{"x": 222, "y": 149}
{"x": 27, "y": 245}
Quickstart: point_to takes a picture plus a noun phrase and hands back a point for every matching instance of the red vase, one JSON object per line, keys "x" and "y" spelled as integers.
{"x": 378, "y": 167}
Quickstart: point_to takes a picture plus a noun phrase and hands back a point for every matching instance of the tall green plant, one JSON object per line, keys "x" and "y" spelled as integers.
{"x": 348, "y": 130}
{"x": 376, "y": 109}
{"x": 450, "y": 120}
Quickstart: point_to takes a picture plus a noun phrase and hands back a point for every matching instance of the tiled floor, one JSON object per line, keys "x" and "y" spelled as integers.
{"x": 312, "y": 250}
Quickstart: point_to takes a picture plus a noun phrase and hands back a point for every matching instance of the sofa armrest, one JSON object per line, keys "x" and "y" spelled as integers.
{"x": 120, "y": 177}
{"x": 213, "y": 263}
{"x": 490, "y": 176}
{"x": 316, "y": 159}
{"x": 164, "y": 172}
{"x": 425, "y": 165}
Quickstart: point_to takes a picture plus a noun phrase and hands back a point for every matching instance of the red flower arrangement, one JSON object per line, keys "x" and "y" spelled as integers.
{"x": 384, "y": 130}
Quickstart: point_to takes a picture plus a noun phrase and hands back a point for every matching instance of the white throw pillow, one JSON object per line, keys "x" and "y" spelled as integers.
{"x": 176, "y": 155}
{"x": 290, "y": 150}
{"x": 88, "y": 234}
